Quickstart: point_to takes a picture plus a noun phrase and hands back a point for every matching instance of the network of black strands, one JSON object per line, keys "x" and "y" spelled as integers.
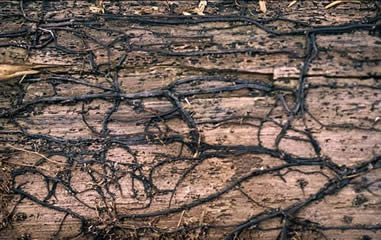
{"x": 43, "y": 31}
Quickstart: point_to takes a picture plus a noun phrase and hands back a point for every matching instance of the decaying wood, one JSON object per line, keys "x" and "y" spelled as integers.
{"x": 200, "y": 129}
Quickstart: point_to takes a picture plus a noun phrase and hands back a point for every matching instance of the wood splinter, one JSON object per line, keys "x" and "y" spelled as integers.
{"x": 11, "y": 72}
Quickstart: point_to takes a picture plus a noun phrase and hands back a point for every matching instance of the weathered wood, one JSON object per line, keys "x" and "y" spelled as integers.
{"x": 342, "y": 115}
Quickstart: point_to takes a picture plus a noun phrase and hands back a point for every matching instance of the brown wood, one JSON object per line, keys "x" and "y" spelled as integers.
{"x": 342, "y": 97}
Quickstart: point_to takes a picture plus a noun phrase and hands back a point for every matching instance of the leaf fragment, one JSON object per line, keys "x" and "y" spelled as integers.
{"x": 201, "y": 7}
{"x": 292, "y": 3}
{"x": 98, "y": 7}
{"x": 334, "y": 3}
{"x": 146, "y": 10}
{"x": 95, "y": 9}
{"x": 262, "y": 6}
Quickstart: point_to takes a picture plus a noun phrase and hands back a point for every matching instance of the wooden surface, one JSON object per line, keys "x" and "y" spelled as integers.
{"x": 342, "y": 99}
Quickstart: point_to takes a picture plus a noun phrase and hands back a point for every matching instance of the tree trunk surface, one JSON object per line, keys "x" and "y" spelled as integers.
{"x": 170, "y": 121}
